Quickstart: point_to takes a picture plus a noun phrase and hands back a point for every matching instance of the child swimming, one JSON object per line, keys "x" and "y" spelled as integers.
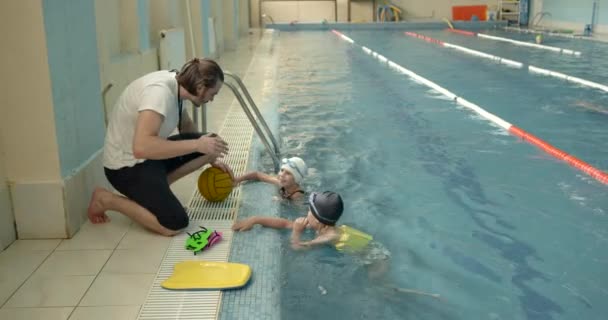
{"x": 324, "y": 211}
{"x": 293, "y": 170}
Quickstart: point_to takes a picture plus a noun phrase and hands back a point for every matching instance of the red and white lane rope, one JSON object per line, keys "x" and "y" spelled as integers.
{"x": 516, "y": 131}
{"x": 547, "y": 32}
{"x": 515, "y": 42}
{"x": 511, "y": 63}
{"x": 500, "y": 60}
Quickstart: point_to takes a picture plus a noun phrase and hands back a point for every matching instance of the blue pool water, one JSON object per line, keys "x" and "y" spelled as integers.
{"x": 498, "y": 228}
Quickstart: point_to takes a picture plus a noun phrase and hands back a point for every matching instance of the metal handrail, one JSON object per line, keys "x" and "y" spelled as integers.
{"x": 267, "y": 16}
{"x": 255, "y": 109}
{"x": 542, "y": 14}
{"x": 273, "y": 153}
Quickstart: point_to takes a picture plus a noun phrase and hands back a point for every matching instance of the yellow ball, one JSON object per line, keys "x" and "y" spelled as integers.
{"x": 214, "y": 184}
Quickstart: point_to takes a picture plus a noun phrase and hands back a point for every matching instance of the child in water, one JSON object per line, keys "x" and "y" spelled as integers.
{"x": 324, "y": 211}
{"x": 293, "y": 170}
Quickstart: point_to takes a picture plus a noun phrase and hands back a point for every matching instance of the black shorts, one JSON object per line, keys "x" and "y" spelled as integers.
{"x": 146, "y": 183}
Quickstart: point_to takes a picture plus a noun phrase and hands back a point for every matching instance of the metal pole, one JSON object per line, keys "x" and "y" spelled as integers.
{"x": 255, "y": 109}
{"x": 594, "y": 15}
{"x": 193, "y": 50}
{"x": 275, "y": 157}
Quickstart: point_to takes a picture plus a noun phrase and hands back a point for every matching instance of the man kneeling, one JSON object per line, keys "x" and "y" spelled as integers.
{"x": 141, "y": 159}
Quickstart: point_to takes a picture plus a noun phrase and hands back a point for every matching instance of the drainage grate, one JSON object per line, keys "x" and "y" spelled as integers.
{"x": 167, "y": 304}
{"x": 172, "y": 304}
{"x": 237, "y": 131}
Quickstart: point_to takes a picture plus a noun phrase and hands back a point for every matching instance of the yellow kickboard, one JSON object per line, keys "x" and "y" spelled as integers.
{"x": 207, "y": 275}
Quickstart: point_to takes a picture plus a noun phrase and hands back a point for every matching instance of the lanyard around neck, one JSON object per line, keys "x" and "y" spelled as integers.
{"x": 180, "y": 104}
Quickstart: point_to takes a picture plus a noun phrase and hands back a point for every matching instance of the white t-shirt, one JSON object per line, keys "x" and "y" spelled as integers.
{"x": 155, "y": 91}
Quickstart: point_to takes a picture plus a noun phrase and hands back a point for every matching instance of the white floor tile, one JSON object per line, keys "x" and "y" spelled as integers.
{"x": 8, "y": 286}
{"x": 50, "y": 291}
{"x": 97, "y": 236}
{"x": 35, "y": 313}
{"x": 118, "y": 290}
{"x": 104, "y": 313}
{"x": 134, "y": 261}
{"x": 23, "y": 245}
{"x": 139, "y": 238}
{"x": 75, "y": 263}
{"x": 15, "y": 267}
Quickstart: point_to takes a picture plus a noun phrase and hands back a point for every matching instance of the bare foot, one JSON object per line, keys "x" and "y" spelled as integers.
{"x": 96, "y": 211}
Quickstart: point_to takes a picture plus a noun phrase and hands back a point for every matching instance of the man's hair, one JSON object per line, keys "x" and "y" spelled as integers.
{"x": 197, "y": 72}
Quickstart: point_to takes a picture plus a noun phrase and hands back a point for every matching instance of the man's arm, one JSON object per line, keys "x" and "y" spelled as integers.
{"x": 148, "y": 145}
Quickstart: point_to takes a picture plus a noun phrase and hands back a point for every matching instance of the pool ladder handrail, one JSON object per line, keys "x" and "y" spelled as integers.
{"x": 541, "y": 14}
{"x": 264, "y": 136}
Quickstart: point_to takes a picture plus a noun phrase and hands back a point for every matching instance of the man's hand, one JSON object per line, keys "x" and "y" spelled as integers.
{"x": 224, "y": 167}
{"x": 212, "y": 145}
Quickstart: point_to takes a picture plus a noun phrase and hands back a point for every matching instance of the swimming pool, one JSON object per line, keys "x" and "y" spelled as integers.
{"x": 494, "y": 225}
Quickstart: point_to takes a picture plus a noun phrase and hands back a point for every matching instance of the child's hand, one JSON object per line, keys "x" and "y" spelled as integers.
{"x": 297, "y": 246}
{"x": 243, "y": 225}
{"x": 300, "y": 224}
{"x": 237, "y": 180}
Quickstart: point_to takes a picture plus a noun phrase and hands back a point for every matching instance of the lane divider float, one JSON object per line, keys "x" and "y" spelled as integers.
{"x": 511, "y": 63}
{"x": 550, "y": 33}
{"x": 516, "y": 131}
{"x": 462, "y": 32}
{"x": 515, "y": 42}
{"x": 566, "y": 77}
{"x": 500, "y": 60}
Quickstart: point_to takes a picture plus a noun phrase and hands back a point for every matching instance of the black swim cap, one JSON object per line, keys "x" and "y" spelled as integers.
{"x": 327, "y": 207}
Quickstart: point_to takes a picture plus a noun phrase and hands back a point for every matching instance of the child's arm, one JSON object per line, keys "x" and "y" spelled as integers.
{"x": 298, "y": 227}
{"x": 320, "y": 240}
{"x": 256, "y": 175}
{"x": 269, "y": 222}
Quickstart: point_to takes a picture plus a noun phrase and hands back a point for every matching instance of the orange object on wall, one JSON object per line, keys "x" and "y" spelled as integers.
{"x": 465, "y": 13}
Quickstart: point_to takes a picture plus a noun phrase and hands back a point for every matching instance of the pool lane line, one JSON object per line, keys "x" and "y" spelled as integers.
{"x": 550, "y": 33}
{"x": 515, "y": 42}
{"x": 462, "y": 32}
{"x": 516, "y": 131}
{"x": 512, "y": 63}
{"x": 566, "y": 77}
